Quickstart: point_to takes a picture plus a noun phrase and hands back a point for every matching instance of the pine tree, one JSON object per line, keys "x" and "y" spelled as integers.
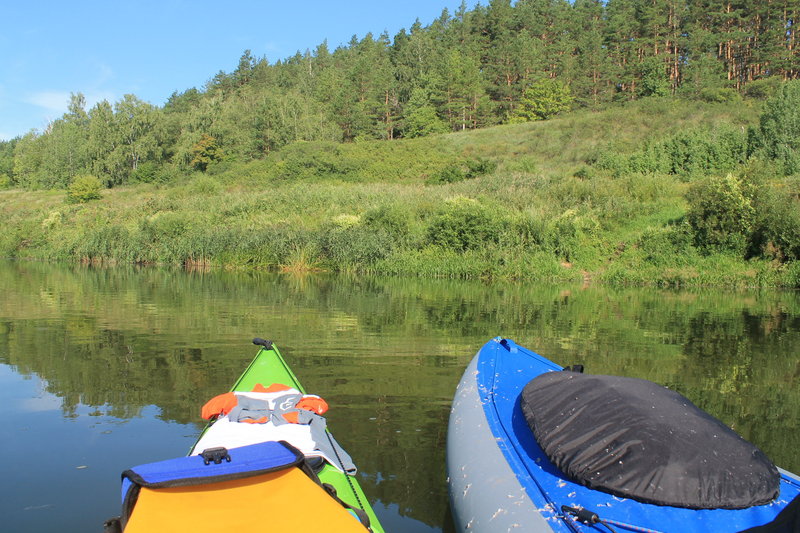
{"x": 420, "y": 116}
{"x": 590, "y": 82}
{"x": 623, "y": 38}
{"x": 463, "y": 91}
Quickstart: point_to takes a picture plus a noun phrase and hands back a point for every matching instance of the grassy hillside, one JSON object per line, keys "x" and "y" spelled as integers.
{"x": 525, "y": 201}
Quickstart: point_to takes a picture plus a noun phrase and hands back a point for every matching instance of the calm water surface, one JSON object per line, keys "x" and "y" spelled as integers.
{"x": 105, "y": 368}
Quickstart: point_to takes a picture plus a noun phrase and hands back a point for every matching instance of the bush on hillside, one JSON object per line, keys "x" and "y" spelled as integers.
{"x": 542, "y": 100}
{"x": 393, "y": 220}
{"x": 571, "y": 232}
{"x": 84, "y": 189}
{"x": 662, "y": 245}
{"x": 479, "y": 167}
{"x": 531, "y": 230}
{"x": 151, "y": 172}
{"x": 702, "y": 152}
{"x": 776, "y": 226}
{"x": 464, "y": 224}
{"x": 763, "y": 88}
{"x": 720, "y": 95}
{"x": 754, "y": 214}
{"x": 687, "y": 154}
{"x": 696, "y": 152}
{"x": 721, "y": 214}
{"x": 463, "y": 170}
{"x": 315, "y": 161}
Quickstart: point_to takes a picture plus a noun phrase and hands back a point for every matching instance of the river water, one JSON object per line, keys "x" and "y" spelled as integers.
{"x": 105, "y": 368}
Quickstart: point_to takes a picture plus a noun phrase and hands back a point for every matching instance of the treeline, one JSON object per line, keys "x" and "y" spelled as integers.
{"x": 474, "y": 68}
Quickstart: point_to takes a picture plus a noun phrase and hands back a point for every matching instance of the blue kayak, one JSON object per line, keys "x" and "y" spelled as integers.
{"x": 501, "y": 479}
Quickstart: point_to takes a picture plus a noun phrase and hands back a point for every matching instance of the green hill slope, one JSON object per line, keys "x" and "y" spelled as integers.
{"x": 534, "y": 201}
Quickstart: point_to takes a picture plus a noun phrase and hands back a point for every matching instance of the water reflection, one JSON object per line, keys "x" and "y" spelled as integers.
{"x": 134, "y": 352}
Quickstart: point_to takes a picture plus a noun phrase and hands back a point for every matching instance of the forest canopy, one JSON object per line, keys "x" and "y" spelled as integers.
{"x": 492, "y": 64}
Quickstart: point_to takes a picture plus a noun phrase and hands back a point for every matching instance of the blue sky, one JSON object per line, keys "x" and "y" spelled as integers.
{"x": 105, "y": 49}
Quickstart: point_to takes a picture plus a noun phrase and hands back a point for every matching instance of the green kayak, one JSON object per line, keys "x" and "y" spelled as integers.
{"x": 266, "y": 461}
{"x": 269, "y": 366}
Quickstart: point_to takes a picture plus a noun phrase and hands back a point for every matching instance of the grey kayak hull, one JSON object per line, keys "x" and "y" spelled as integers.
{"x": 485, "y": 496}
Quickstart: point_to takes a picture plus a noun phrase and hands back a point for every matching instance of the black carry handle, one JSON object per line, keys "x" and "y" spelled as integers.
{"x": 217, "y": 455}
{"x": 258, "y": 341}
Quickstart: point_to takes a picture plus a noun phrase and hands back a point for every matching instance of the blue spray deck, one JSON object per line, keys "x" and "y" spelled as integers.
{"x": 504, "y": 368}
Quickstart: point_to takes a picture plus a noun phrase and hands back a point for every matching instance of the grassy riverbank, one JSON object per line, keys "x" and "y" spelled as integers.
{"x": 524, "y": 202}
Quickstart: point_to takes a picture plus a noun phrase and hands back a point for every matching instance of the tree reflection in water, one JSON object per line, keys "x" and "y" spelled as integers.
{"x": 124, "y": 344}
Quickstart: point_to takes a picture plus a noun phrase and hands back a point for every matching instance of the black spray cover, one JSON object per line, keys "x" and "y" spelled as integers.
{"x": 636, "y": 439}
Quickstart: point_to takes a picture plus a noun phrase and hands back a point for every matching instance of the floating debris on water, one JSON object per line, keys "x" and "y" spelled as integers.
{"x": 38, "y": 507}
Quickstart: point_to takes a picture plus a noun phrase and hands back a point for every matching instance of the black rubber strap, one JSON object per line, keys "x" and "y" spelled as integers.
{"x": 360, "y": 513}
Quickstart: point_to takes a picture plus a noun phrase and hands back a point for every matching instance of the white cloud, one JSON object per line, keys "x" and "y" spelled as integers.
{"x": 58, "y": 101}
{"x": 50, "y": 100}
